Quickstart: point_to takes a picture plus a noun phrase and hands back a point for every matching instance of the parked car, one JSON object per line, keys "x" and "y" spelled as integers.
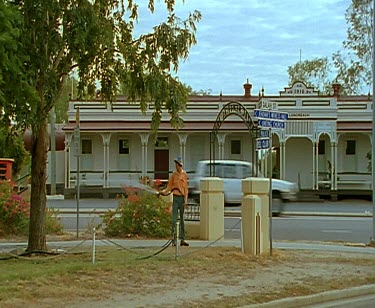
{"x": 232, "y": 172}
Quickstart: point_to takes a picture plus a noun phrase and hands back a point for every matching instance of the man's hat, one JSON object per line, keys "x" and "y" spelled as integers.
{"x": 178, "y": 160}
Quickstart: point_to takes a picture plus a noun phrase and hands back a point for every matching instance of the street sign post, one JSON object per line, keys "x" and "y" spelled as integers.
{"x": 271, "y": 119}
{"x": 269, "y": 114}
{"x": 264, "y": 133}
{"x": 263, "y": 143}
{"x": 271, "y": 123}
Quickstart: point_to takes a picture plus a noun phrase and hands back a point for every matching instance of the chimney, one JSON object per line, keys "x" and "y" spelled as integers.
{"x": 247, "y": 86}
{"x": 336, "y": 89}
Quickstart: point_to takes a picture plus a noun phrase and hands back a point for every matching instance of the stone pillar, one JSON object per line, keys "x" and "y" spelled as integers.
{"x": 144, "y": 142}
{"x": 211, "y": 209}
{"x": 282, "y": 160}
{"x": 221, "y": 142}
{"x": 182, "y": 137}
{"x": 313, "y": 169}
{"x": 106, "y": 140}
{"x": 255, "y": 216}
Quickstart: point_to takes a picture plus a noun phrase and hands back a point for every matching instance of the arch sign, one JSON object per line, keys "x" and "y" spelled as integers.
{"x": 232, "y": 108}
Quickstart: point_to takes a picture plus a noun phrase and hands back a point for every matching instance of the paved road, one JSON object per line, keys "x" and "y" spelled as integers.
{"x": 287, "y": 227}
{"x": 312, "y": 228}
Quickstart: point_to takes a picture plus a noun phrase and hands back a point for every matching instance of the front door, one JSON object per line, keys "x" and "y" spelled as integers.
{"x": 161, "y": 164}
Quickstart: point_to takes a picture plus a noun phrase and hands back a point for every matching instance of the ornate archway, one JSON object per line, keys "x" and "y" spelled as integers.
{"x": 233, "y": 108}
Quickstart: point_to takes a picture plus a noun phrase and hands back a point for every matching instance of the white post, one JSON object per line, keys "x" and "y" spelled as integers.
{"x": 177, "y": 232}
{"x": 93, "y": 245}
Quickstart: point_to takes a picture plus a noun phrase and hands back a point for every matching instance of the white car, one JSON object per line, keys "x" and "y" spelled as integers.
{"x": 232, "y": 172}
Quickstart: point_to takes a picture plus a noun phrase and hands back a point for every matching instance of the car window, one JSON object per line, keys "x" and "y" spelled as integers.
{"x": 245, "y": 171}
{"x": 229, "y": 171}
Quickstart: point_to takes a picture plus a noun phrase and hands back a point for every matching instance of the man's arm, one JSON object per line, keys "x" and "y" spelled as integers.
{"x": 169, "y": 187}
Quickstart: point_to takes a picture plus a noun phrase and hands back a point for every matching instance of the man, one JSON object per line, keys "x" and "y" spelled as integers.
{"x": 178, "y": 185}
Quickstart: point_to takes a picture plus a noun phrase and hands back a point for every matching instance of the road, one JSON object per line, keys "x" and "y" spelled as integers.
{"x": 289, "y": 227}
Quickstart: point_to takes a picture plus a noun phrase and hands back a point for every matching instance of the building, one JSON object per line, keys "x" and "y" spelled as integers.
{"x": 323, "y": 146}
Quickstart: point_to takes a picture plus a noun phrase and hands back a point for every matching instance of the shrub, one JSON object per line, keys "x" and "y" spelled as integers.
{"x": 53, "y": 222}
{"x": 14, "y": 212}
{"x": 138, "y": 213}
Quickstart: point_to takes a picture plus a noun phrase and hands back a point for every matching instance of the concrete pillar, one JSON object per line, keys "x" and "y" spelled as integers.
{"x": 144, "y": 142}
{"x": 255, "y": 215}
{"x": 106, "y": 140}
{"x": 211, "y": 209}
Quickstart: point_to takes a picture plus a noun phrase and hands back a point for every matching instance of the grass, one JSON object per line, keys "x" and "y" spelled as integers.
{"x": 72, "y": 276}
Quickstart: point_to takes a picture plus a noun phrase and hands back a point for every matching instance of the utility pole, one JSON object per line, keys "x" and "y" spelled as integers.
{"x": 53, "y": 151}
{"x": 77, "y": 141}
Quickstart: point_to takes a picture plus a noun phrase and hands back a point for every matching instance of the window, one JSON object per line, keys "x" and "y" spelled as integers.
{"x": 322, "y": 147}
{"x": 123, "y": 146}
{"x": 235, "y": 147}
{"x": 86, "y": 146}
{"x": 161, "y": 142}
{"x": 350, "y": 147}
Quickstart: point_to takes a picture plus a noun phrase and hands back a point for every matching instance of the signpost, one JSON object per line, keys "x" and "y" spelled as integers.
{"x": 270, "y": 119}
{"x": 77, "y": 141}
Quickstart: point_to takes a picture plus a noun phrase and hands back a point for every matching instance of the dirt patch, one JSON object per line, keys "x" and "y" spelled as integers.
{"x": 211, "y": 277}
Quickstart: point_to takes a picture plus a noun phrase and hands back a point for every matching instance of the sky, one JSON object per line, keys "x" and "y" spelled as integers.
{"x": 255, "y": 40}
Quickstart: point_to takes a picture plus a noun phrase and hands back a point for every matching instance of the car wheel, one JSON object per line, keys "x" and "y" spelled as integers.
{"x": 277, "y": 204}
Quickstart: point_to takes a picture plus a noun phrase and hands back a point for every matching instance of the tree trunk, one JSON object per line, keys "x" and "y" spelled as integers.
{"x": 37, "y": 231}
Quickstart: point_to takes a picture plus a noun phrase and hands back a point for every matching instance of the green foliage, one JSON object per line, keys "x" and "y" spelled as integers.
{"x": 139, "y": 214}
{"x": 48, "y": 40}
{"x": 12, "y": 146}
{"x": 314, "y": 73}
{"x": 53, "y": 222}
{"x": 14, "y": 212}
{"x": 354, "y": 61}
{"x": 69, "y": 91}
{"x": 350, "y": 66}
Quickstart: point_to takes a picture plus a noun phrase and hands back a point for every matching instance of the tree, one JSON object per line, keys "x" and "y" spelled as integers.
{"x": 350, "y": 66}
{"x": 96, "y": 39}
{"x": 13, "y": 85}
{"x": 314, "y": 73}
{"x": 201, "y": 92}
{"x": 354, "y": 62}
{"x": 69, "y": 91}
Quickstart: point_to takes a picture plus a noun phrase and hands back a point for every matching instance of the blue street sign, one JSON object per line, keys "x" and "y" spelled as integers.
{"x": 269, "y": 114}
{"x": 264, "y": 133}
{"x": 271, "y": 123}
{"x": 263, "y": 143}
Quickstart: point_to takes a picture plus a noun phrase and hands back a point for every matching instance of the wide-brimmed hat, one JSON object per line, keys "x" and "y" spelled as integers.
{"x": 178, "y": 160}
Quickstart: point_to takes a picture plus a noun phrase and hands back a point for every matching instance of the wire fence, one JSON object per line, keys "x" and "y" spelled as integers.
{"x": 101, "y": 249}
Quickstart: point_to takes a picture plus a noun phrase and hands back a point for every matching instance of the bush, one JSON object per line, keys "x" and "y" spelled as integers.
{"x": 139, "y": 214}
{"x": 15, "y": 213}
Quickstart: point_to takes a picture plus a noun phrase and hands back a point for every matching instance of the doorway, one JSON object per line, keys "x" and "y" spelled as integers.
{"x": 161, "y": 164}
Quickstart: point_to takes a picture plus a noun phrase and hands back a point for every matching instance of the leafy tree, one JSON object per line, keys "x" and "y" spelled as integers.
{"x": 13, "y": 85}
{"x": 350, "y": 66}
{"x": 201, "y": 92}
{"x": 11, "y": 146}
{"x": 69, "y": 91}
{"x": 314, "y": 73}
{"x": 96, "y": 39}
{"x": 354, "y": 62}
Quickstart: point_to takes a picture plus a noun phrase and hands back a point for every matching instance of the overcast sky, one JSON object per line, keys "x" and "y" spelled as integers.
{"x": 255, "y": 39}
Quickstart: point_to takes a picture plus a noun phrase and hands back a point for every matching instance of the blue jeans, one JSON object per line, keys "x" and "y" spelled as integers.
{"x": 178, "y": 206}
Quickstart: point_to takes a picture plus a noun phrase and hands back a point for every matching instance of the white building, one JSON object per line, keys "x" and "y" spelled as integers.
{"x": 323, "y": 146}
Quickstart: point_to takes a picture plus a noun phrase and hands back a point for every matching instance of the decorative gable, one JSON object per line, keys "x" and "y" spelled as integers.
{"x": 299, "y": 89}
